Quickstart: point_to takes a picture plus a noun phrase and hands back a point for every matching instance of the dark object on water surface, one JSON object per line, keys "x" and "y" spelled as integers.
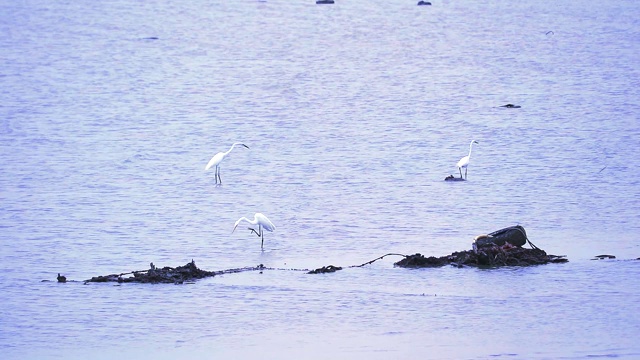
{"x": 325, "y": 269}
{"x": 494, "y": 256}
{"x": 600, "y": 257}
{"x": 499, "y": 248}
{"x": 514, "y": 235}
{"x": 511, "y": 106}
{"x": 61, "y": 278}
{"x": 156, "y": 275}
{"x": 324, "y": 2}
{"x": 423, "y": 3}
{"x": 453, "y": 178}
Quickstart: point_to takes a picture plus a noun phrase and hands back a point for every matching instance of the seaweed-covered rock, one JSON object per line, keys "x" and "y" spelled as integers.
{"x": 155, "y": 275}
{"x": 419, "y": 261}
{"x": 506, "y": 255}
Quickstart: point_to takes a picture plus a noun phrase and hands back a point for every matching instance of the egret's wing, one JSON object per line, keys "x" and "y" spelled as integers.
{"x": 266, "y": 223}
{"x": 463, "y": 162}
{"x": 214, "y": 161}
{"x": 209, "y": 164}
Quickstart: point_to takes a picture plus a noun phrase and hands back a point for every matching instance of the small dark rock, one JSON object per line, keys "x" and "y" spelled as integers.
{"x": 453, "y": 178}
{"x": 600, "y": 257}
{"x": 325, "y": 269}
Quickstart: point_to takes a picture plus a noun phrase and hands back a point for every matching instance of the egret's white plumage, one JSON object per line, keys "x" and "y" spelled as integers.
{"x": 263, "y": 223}
{"x": 217, "y": 159}
{"x": 464, "y": 162}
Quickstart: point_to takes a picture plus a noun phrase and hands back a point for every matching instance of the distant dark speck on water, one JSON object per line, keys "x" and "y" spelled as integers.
{"x": 150, "y": 38}
{"x": 511, "y": 106}
{"x": 324, "y": 2}
{"x": 423, "y": 2}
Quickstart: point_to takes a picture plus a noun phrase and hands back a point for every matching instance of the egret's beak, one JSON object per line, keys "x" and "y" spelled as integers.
{"x": 245, "y": 146}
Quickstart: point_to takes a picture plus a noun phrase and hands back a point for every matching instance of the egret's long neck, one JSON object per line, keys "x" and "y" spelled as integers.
{"x": 232, "y": 146}
{"x": 470, "y": 147}
{"x": 252, "y": 222}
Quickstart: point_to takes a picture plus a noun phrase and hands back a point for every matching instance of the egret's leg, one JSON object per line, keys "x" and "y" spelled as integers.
{"x": 219, "y": 176}
{"x": 262, "y": 236}
{"x": 465, "y": 172}
{"x": 460, "y": 169}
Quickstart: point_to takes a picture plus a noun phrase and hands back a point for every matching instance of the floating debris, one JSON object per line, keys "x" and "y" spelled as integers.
{"x": 514, "y": 235}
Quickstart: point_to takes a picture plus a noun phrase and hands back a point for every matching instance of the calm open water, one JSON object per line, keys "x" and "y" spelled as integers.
{"x": 354, "y": 114}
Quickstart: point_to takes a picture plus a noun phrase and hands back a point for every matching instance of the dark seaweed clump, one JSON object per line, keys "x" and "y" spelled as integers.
{"x": 325, "y": 269}
{"x": 178, "y": 275}
{"x": 493, "y": 256}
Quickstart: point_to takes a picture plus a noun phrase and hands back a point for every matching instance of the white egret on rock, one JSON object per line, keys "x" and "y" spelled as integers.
{"x": 217, "y": 159}
{"x": 464, "y": 162}
{"x": 263, "y": 223}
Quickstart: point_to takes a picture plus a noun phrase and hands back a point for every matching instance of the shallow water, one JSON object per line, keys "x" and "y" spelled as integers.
{"x": 354, "y": 114}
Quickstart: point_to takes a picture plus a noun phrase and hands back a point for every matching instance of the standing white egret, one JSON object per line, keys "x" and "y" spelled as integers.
{"x": 217, "y": 159}
{"x": 263, "y": 224}
{"x": 464, "y": 162}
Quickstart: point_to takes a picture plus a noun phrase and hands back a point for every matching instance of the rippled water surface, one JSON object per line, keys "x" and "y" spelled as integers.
{"x": 354, "y": 114}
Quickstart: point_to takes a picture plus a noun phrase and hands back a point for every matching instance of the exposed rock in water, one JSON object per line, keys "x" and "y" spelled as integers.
{"x": 600, "y": 257}
{"x": 506, "y": 255}
{"x": 325, "y": 269}
{"x": 453, "y": 178}
{"x": 156, "y": 275}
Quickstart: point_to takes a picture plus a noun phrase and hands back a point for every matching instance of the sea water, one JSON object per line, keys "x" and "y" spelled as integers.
{"x": 354, "y": 113}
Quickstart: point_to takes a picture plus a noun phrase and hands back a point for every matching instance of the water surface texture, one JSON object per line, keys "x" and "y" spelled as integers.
{"x": 354, "y": 114}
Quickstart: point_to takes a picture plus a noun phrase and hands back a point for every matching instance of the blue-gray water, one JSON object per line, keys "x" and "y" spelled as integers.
{"x": 354, "y": 114}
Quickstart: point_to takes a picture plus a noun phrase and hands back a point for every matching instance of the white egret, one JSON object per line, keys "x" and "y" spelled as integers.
{"x": 217, "y": 159}
{"x": 464, "y": 162}
{"x": 263, "y": 224}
